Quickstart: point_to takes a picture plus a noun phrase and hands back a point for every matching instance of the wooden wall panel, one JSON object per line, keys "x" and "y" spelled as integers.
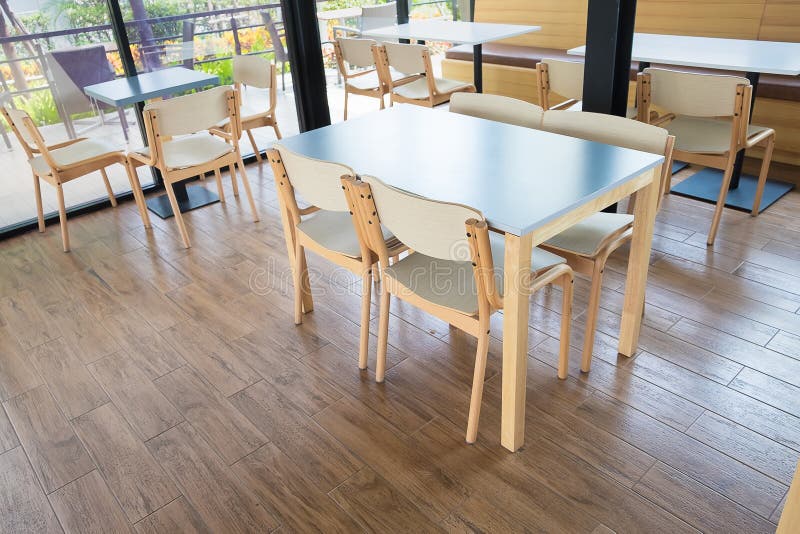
{"x": 563, "y": 22}
{"x": 710, "y": 18}
{"x": 781, "y": 21}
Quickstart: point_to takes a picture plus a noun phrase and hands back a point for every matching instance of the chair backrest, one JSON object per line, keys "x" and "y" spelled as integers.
{"x": 430, "y": 227}
{"x": 315, "y": 180}
{"x": 406, "y": 58}
{"x": 357, "y": 52}
{"x": 694, "y": 94}
{"x": 252, "y": 70}
{"x": 613, "y": 130}
{"x": 27, "y": 133}
{"x": 378, "y": 16}
{"x": 281, "y": 54}
{"x": 192, "y": 113}
{"x": 497, "y": 108}
{"x": 565, "y": 77}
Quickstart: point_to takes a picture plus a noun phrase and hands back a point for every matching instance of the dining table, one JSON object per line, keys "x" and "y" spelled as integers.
{"x": 529, "y": 184}
{"x": 155, "y": 85}
{"x": 457, "y": 32}
{"x": 749, "y": 56}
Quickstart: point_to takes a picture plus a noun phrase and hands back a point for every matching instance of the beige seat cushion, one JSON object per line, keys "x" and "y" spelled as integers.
{"x": 452, "y": 283}
{"x": 418, "y": 89}
{"x": 334, "y": 230}
{"x": 75, "y": 153}
{"x": 371, "y": 81}
{"x": 704, "y": 136}
{"x": 585, "y": 237}
{"x": 195, "y": 149}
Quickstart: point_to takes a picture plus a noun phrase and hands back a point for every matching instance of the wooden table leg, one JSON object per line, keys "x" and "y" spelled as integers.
{"x": 638, "y": 264}
{"x": 515, "y": 339}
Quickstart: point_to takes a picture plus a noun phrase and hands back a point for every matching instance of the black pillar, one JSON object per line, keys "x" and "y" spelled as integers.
{"x": 402, "y": 11}
{"x": 609, "y": 39}
{"x": 305, "y": 57}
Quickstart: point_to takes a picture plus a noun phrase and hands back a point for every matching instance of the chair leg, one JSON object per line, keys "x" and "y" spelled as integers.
{"x": 762, "y": 175}
{"x": 110, "y": 191}
{"x": 277, "y": 130}
{"x": 138, "y": 195}
{"x": 299, "y": 286}
{"x": 723, "y": 193}
{"x": 255, "y": 146}
{"x": 346, "y": 94}
{"x": 176, "y": 210}
{"x": 376, "y": 272}
{"x": 567, "y": 282}
{"x": 247, "y": 190}
{"x": 477, "y": 382}
{"x": 220, "y": 190}
{"x": 232, "y": 168}
{"x": 591, "y": 314}
{"x": 37, "y": 189}
{"x": 62, "y": 217}
{"x": 366, "y": 302}
{"x": 383, "y": 335}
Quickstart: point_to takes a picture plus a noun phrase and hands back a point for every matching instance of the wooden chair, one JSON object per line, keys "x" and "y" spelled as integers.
{"x": 451, "y": 273}
{"x": 59, "y": 163}
{"x": 419, "y": 86}
{"x": 564, "y": 78}
{"x": 709, "y": 115}
{"x": 790, "y": 517}
{"x": 254, "y": 71}
{"x": 325, "y": 227}
{"x": 497, "y": 108}
{"x": 202, "y": 145}
{"x": 588, "y": 244}
{"x": 365, "y": 82}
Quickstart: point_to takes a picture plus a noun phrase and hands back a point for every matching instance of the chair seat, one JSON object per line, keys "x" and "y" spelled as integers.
{"x": 75, "y": 153}
{"x": 196, "y": 149}
{"x": 334, "y": 230}
{"x": 418, "y": 89}
{"x": 452, "y": 283}
{"x": 585, "y": 237}
{"x": 704, "y": 136}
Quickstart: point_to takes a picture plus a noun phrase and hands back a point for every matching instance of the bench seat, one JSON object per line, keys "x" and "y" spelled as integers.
{"x": 770, "y": 85}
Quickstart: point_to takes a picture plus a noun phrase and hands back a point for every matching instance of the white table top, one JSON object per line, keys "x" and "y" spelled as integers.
{"x": 163, "y": 82}
{"x": 519, "y": 178}
{"x": 766, "y": 57}
{"x": 450, "y": 31}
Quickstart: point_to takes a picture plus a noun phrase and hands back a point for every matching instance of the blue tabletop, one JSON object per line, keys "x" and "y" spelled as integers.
{"x": 519, "y": 178}
{"x": 124, "y": 91}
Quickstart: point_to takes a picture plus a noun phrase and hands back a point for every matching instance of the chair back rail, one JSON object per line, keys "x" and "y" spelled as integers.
{"x": 497, "y": 108}
{"x": 191, "y": 113}
{"x": 316, "y": 181}
{"x": 564, "y": 78}
{"x": 357, "y": 52}
{"x": 253, "y": 70}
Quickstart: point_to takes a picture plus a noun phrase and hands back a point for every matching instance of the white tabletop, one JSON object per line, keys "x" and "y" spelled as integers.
{"x": 450, "y": 31}
{"x": 766, "y": 57}
{"x": 519, "y": 178}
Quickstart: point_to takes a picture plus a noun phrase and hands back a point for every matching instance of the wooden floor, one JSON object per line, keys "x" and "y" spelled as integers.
{"x": 149, "y": 387}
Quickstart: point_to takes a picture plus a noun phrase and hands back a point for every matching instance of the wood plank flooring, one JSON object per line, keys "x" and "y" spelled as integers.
{"x": 150, "y": 388}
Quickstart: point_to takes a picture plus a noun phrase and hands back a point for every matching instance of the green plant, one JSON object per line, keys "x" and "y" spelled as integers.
{"x": 223, "y": 69}
{"x": 40, "y": 106}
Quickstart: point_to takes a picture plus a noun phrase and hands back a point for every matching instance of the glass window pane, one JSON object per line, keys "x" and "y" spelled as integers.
{"x": 48, "y": 54}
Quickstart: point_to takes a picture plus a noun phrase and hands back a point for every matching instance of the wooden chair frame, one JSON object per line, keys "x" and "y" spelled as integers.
{"x": 260, "y": 120}
{"x": 378, "y": 92}
{"x": 738, "y": 141}
{"x": 156, "y": 140}
{"x": 59, "y": 175}
{"x": 359, "y": 197}
{"x": 434, "y": 96}
{"x": 594, "y": 265}
{"x": 297, "y": 242}
{"x": 543, "y": 87}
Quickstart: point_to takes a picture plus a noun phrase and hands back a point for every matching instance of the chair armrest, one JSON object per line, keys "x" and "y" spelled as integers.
{"x": 662, "y": 119}
{"x": 309, "y": 210}
{"x": 65, "y": 143}
{"x": 565, "y": 104}
{"x": 360, "y": 73}
{"x": 221, "y": 133}
{"x": 407, "y": 79}
{"x": 760, "y": 136}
